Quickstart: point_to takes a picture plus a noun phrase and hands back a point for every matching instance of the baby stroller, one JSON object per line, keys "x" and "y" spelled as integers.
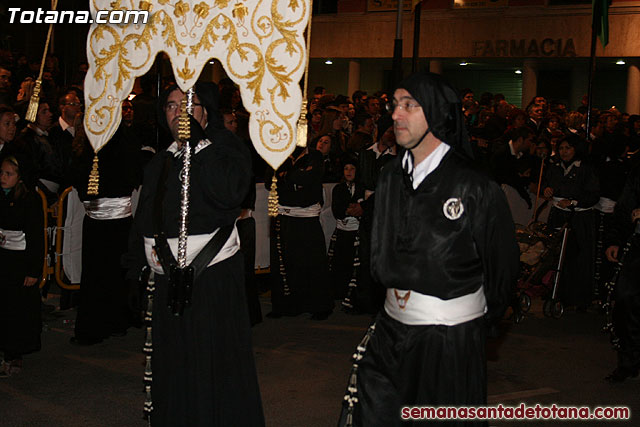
{"x": 542, "y": 253}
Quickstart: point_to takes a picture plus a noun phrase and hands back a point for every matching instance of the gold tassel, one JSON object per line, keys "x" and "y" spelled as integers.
{"x": 94, "y": 178}
{"x": 184, "y": 130}
{"x": 301, "y": 140}
{"x": 32, "y": 111}
{"x": 273, "y": 197}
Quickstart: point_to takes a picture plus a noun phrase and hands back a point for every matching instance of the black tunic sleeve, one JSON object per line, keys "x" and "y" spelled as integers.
{"x": 34, "y": 234}
{"x": 494, "y": 234}
{"x": 225, "y": 176}
{"x": 340, "y": 199}
{"x": 621, "y": 226}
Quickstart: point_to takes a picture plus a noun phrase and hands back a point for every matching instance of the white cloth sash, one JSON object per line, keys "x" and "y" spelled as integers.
{"x": 298, "y": 212}
{"x": 577, "y": 209}
{"x": 108, "y": 208}
{"x": 420, "y": 309}
{"x": 195, "y": 243}
{"x": 13, "y": 240}
{"x": 350, "y": 223}
{"x": 605, "y": 205}
{"x": 51, "y": 186}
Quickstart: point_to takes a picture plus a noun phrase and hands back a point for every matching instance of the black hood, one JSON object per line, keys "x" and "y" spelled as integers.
{"x": 209, "y": 98}
{"x": 440, "y": 103}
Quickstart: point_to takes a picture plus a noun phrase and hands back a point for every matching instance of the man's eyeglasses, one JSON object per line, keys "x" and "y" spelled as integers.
{"x": 172, "y": 107}
{"x": 74, "y": 104}
{"x": 407, "y": 106}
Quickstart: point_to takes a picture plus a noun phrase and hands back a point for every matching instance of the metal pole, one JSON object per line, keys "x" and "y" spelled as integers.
{"x": 416, "y": 37}
{"x": 592, "y": 71}
{"x": 397, "y": 47}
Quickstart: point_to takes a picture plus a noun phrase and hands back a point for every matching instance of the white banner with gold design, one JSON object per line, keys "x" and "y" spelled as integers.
{"x": 259, "y": 43}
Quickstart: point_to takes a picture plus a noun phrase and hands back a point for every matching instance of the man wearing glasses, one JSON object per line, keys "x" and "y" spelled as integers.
{"x": 202, "y": 365}
{"x": 62, "y": 133}
{"x": 443, "y": 246}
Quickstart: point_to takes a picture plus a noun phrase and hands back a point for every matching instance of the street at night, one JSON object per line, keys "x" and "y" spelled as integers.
{"x": 303, "y": 368}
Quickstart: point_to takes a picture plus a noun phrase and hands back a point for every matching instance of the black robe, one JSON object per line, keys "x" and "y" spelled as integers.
{"x": 344, "y": 251}
{"x": 298, "y": 257}
{"x": 416, "y": 247}
{"x": 20, "y": 319}
{"x": 626, "y": 313}
{"x": 102, "y": 307}
{"x": 581, "y": 184}
{"x": 203, "y": 368}
{"x": 413, "y": 240}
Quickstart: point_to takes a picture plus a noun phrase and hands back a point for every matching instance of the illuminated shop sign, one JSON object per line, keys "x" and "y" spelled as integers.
{"x": 524, "y": 48}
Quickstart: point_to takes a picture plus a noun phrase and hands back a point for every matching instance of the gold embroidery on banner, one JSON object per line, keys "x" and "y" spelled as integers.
{"x": 276, "y": 47}
{"x": 185, "y": 73}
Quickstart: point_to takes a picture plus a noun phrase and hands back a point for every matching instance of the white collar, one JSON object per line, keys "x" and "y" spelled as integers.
{"x": 388, "y": 150}
{"x": 173, "y": 148}
{"x": 66, "y": 126}
{"x": 425, "y": 167}
{"x": 37, "y": 130}
{"x": 513, "y": 152}
{"x": 566, "y": 170}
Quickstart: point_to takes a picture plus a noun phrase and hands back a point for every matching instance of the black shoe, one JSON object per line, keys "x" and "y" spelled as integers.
{"x": 620, "y": 374}
{"x": 84, "y": 342}
{"x": 274, "y": 315}
{"x": 323, "y": 315}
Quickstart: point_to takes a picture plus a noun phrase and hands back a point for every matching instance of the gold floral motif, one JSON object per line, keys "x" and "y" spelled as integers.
{"x": 221, "y": 4}
{"x": 208, "y": 39}
{"x": 181, "y": 9}
{"x": 185, "y": 73}
{"x": 202, "y": 10}
{"x": 145, "y": 5}
{"x": 240, "y": 11}
{"x": 293, "y": 4}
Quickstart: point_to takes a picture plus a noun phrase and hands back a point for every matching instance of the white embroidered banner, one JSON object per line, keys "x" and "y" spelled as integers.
{"x": 259, "y": 43}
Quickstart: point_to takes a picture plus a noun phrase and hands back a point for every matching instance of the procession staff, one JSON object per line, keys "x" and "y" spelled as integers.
{"x": 202, "y": 361}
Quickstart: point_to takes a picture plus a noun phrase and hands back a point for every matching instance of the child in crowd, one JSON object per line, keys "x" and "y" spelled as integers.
{"x": 21, "y": 261}
{"x": 343, "y": 254}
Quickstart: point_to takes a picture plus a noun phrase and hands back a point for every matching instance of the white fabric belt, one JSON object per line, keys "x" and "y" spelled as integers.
{"x": 298, "y": 212}
{"x": 350, "y": 223}
{"x": 605, "y": 205}
{"x": 51, "y": 186}
{"x": 195, "y": 244}
{"x": 577, "y": 209}
{"x": 108, "y": 208}
{"x": 13, "y": 240}
{"x": 420, "y": 309}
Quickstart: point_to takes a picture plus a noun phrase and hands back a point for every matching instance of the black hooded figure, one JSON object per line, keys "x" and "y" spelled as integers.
{"x": 203, "y": 371}
{"x": 21, "y": 261}
{"x": 443, "y": 245}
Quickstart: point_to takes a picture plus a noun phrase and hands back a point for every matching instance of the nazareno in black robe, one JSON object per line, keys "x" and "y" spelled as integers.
{"x": 626, "y": 312}
{"x": 343, "y": 241}
{"x": 203, "y": 367}
{"x": 581, "y": 184}
{"x": 416, "y": 247}
{"x": 20, "y": 318}
{"x": 441, "y": 365}
{"x": 299, "y": 267}
{"x": 103, "y": 308}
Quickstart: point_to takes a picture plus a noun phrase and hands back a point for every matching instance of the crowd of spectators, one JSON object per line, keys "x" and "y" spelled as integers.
{"x": 543, "y": 151}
